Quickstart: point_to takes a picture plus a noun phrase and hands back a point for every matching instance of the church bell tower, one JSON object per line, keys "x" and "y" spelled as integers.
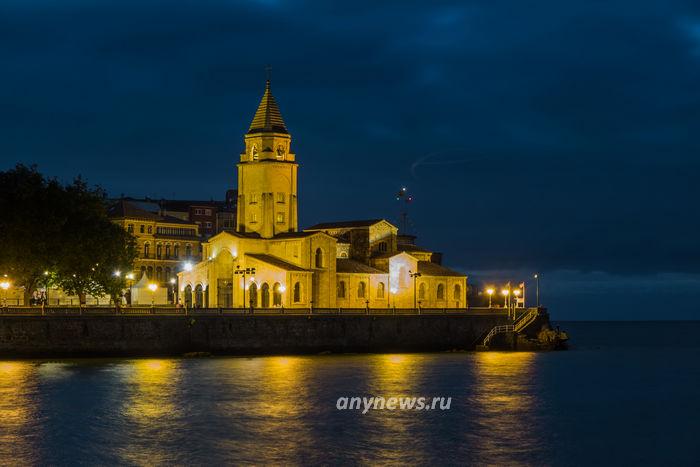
{"x": 267, "y": 174}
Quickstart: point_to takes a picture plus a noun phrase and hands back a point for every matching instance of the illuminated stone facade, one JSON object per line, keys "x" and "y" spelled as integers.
{"x": 351, "y": 264}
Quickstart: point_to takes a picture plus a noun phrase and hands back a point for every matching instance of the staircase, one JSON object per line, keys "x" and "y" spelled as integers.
{"x": 519, "y": 325}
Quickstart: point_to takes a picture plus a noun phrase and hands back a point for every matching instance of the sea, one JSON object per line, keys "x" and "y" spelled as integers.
{"x": 625, "y": 393}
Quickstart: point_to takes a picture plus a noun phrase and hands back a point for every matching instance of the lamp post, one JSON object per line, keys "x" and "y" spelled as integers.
{"x": 173, "y": 286}
{"x": 506, "y": 293}
{"x": 244, "y": 271}
{"x": 415, "y": 276}
{"x": 46, "y": 286}
{"x": 489, "y": 291}
{"x": 130, "y": 281}
{"x": 4, "y": 285}
{"x": 516, "y": 292}
{"x": 537, "y": 284}
{"x": 153, "y": 287}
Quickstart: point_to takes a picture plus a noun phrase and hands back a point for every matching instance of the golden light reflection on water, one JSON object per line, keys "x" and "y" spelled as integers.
{"x": 506, "y": 407}
{"x": 150, "y": 406}
{"x": 17, "y": 383}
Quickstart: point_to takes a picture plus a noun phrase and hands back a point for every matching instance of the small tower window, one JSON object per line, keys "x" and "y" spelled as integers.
{"x": 280, "y": 217}
{"x": 280, "y": 197}
{"x": 297, "y": 292}
{"x": 361, "y": 290}
{"x": 441, "y": 291}
{"x": 319, "y": 258}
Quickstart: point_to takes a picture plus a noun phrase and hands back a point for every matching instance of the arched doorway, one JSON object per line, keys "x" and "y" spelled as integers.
{"x": 188, "y": 296}
{"x": 277, "y": 294}
{"x": 198, "y": 296}
{"x": 253, "y": 292}
{"x": 265, "y": 295}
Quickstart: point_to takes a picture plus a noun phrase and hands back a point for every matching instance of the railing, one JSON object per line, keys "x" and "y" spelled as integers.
{"x": 526, "y": 320}
{"x": 277, "y": 311}
{"x": 497, "y": 330}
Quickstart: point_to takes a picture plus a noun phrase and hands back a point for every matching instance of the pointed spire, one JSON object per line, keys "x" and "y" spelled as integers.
{"x": 268, "y": 117}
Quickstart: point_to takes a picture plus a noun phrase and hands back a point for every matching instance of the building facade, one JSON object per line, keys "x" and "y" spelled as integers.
{"x": 268, "y": 262}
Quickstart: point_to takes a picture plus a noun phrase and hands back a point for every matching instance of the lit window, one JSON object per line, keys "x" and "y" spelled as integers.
{"x": 253, "y": 218}
{"x": 253, "y": 198}
{"x": 207, "y": 212}
{"x": 280, "y": 217}
{"x": 382, "y": 246}
{"x": 361, "y": 289}
{"x": 380, "y": 290}
{"x": 280, "y": 197}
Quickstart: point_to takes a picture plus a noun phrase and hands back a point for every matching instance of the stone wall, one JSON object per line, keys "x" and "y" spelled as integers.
{"x": 53, "y": 336}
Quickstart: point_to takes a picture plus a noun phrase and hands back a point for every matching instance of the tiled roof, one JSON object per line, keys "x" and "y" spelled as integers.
{"x": 126, "y": 210}
{"x": 268, "y": 117}
{"x": 344, "y": 224}
{"x": 274, "y": 261}
{"x": 350, "y": 265}
{"x": 294, "y": 234}
{"x": 433, "y": 269}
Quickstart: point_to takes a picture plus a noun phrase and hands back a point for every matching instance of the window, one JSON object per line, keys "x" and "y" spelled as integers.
{"x": 188, "y": 250}
{"x": 441, "y": 291}
{"x": 207, "y": 212}
{"x": 341, "y": 289}
{"x": 167, "y": 251}
{"x": 380, "y": 290}
{"x": 159, "y": 274}
{"x": 198, "y": 212}
{"x": 159, "y": 250}
{"x": 361, "y": 290}
{"x": 265, "y": 295}
{"x": 150, "y": 229}
{"x": 130, "y": 228}
{"x": 319, "y": 258}
{"x": 280, "y": 218}
{"x": 167, "y": 274}
{"x": 176, "y": 250}
{"x": 146, "y": 250}
{"x": 142, "y": 229}
{"x": 277, "y": 294}
{"x": 382, "y": 246}
{"x": 253, "y": 198}
{"x": 253, "y": 294}
{"x": 149, "y": 272}
{"x": 254, "y": 218}
{"x": 421, "y": 291}
{"x": 208, "y": 224}
{"x": 458, "y": 292}
{"x": 280, "y": 197}
{"x": 297, "y": 292}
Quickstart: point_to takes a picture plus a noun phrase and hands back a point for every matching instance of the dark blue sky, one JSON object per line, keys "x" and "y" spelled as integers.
{"x": 551, "y": 136}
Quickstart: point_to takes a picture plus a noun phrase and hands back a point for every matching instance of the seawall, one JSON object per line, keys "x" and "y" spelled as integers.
{"x": 54, "y": 336}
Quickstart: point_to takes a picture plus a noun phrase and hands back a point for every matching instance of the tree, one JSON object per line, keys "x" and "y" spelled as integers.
{"x": 62, "y": 230}
{"x": 94, "y": 248}
{"x": 30, "y": 226}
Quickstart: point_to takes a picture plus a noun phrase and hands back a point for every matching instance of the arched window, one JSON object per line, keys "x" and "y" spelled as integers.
{"x": 380, "y": 290}
{"x": 343, "y": 255}
{"x": 159, "y": 274}
{"x": 382, "y": 246}
{"x": 341, "y": 289}
{"x": 150, "y": 229}
{"x": 188, "y": 296}
{"x": 167, "y": 274}
{"x": 146, "y": 250}
{"x": 421, "y": 291}
{"x": 141, "y": 229}
{"x": 361, "y": 290}
{"x": 198, "y": 296}
{"x": 319, "y": 258}
{"x": 297, "y": 292}
{"x": 143, "y": 271}
{"x": 188, "y": 250}
{"x": 149, "y": 272}
{"x": 253, "y": 293}
{"x": 167, "y": 251}
{"x": 441, "y": 291}
{"x": 458, "y": 292}
{"x": 277, "y": 294}
{"x": 177, "y": 250}
{"x": 159, "y": 250}
{"x": 265, "y": 295}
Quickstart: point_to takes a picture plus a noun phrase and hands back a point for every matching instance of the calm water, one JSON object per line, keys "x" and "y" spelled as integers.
{"x": 627, "y": 393}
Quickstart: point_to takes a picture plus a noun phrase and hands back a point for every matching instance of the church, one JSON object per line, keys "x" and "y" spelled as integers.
{"x": 267, "y": 262}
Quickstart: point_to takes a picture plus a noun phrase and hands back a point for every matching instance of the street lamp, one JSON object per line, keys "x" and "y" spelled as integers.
{"x": 153, "y": 287}
{"x": 173, "y": 287}
{"x": 505, "y": 293}
{"x": 516, "y": 292}
{"x": 244, "y": 272}
{"x": 4, "y": 285}
{"x": 490, "y": 292}
{"x": 537, "y": 282}
{"x": 415, "y": 276}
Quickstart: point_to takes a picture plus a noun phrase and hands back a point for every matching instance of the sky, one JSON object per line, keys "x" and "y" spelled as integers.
{"x": 551, "y": 137}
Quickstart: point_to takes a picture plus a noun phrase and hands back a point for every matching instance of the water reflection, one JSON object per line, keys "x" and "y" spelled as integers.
{"x": 151, "y": 411}
{"x": 17, "y": 412}
{"x": 506, "y": 408}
